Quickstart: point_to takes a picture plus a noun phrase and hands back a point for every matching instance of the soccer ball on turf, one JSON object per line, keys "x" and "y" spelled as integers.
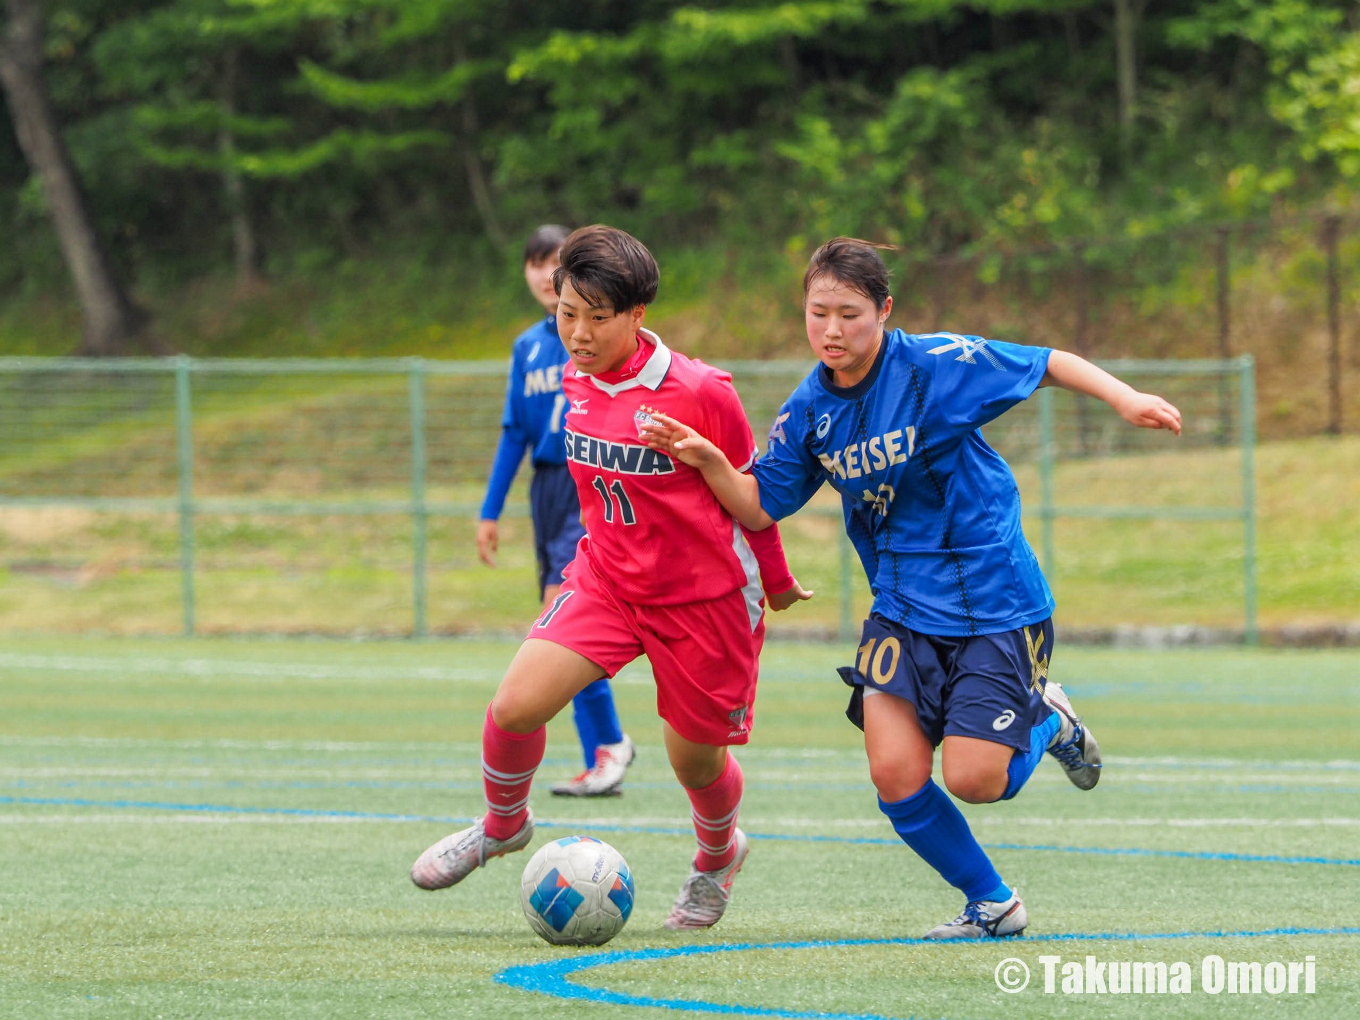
{"x": 577, "y": 891}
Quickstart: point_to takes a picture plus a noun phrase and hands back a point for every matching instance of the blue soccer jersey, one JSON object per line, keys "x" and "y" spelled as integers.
{"x": 534, "y": 407}
{"x": 932, "y": 510}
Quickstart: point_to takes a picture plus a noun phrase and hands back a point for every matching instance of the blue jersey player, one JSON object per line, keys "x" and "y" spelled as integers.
{"x": 532, "y": 420}
{"x": 955, "y": 653}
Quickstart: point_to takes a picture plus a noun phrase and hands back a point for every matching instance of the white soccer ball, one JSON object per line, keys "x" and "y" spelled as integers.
{"x": 577, "y": 891}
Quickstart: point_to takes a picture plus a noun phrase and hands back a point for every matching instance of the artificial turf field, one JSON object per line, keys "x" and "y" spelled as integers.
{"x": 223, "y": 829}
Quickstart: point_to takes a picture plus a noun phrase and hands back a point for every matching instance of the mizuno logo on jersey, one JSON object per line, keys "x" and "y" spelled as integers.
{"x": 578, "y": 406}
{"x": 876, "y": 454}
{"x": 543, "y": 380}
{"x": 968, "y": 346}
{"x": 625, "y": 458}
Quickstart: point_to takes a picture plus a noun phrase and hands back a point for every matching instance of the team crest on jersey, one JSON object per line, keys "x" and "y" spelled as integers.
{"x": 625, "y": 458}
{"x": 643, "y": 417}
{"x": 737, "y": 717}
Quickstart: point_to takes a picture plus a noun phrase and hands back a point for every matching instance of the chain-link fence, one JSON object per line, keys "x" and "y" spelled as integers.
{"x": 340, "y": 497}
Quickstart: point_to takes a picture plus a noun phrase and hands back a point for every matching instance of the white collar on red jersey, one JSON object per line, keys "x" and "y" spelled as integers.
{"x": 652, "y": 374}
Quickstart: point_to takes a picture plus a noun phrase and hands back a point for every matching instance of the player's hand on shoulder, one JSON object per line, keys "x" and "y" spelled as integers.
{"x": 662, "y": 432}
{"x": 779, "y": 601}
{"x": 1149, "y": 411}
{"x": 488, "y": 541}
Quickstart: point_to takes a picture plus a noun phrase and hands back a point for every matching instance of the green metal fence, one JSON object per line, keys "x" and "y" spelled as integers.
{"x": 405, "y": 444}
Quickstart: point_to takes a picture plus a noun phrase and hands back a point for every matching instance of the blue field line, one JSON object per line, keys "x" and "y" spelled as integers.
{"x": 649, "y": 830}
{"x": 551, "y": 977}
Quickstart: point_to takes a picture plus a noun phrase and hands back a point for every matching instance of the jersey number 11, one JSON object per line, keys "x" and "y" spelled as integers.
{"x": 616, "y": 488}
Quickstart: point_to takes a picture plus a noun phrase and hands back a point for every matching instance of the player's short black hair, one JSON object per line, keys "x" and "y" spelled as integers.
{"x": 544, "y": 242}
{"x": 607, "y": 266}
{"x": 853, "y": 262}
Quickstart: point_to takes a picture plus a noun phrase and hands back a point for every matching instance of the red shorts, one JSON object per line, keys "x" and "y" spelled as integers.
{"x": 704, "y": 655}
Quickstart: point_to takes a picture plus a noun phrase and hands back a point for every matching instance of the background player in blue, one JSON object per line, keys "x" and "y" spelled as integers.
{"x": 534, "y": 406}
{"x": 957, "y": 648}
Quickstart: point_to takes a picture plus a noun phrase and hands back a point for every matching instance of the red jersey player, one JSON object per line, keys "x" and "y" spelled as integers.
{"x": 663, "y": 571}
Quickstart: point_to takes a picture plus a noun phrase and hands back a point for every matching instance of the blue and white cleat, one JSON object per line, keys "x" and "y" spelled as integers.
{"x": 1073, "y": 745}
{"x": 984, "y": 919}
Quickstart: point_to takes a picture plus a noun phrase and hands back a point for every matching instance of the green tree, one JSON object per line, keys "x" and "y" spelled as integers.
{"x": 215, "y": 91}
{"x": 112, "y": 323}
{"x": 1311, "y": 53}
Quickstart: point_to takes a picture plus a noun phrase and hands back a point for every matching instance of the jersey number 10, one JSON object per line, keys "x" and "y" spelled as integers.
{"x": 615, "y": 488}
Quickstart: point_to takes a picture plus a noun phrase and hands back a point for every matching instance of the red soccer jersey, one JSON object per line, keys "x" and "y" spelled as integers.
{"x": 655, "y": 533}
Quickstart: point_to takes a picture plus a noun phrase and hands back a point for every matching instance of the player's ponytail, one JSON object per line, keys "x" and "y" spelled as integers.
{"x": 853, "y": 262}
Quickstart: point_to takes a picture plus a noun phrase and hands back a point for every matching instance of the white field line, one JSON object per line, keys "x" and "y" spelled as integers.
{"x": 229, "y": 744}
{"x": 821, "y": 825}
{"x": 847, "y": 755}
{"x": 359, "y": 773}
{"x": 212, "y": 669}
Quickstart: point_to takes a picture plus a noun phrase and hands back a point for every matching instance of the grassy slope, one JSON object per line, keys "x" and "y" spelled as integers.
{"x": 70, "y": 569}
{"x": 725, "y": 301}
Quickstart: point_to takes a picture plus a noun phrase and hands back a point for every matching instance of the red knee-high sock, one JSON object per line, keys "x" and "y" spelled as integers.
{"x": 509, "y": 761}
{"x": 714, "y": 809}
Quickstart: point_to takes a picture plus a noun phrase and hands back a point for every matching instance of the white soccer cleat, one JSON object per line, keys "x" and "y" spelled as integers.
{"x": 704, "y": 896}
{"x": 984, "y": 919}
{"x": 605, "y": 777}
{"x": 1073, "y": 745}
{"x": 458, "y": 855}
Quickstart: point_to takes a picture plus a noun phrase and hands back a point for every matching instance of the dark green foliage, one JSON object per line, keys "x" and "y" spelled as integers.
{"x": 988, "y": 125}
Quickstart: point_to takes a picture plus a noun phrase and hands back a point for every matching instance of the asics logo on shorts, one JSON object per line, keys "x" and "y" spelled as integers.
{"x": 1004, "y": 720}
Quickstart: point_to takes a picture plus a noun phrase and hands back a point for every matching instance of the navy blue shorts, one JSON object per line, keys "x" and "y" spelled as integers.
{"x": 989, "y": 686}
{"x": 556, "y": 511}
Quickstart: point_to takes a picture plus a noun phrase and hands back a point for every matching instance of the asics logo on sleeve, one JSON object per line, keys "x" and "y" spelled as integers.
{"x": 968, "y": 346}
{"x": 1004, "y": 720}
{"x": 777, "y": 429}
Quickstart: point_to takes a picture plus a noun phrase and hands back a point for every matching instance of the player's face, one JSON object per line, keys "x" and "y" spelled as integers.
{"x": 538, "y": 275}
{"x": 844, "y": 327}
{"x": 597, "y": 338}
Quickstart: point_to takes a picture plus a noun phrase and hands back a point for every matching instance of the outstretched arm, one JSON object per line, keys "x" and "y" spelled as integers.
{"x": 738, "y": 493}
{"x": 1146, "y": 410}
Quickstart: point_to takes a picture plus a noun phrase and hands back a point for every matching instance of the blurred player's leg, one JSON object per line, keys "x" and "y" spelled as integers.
{"x": 1073, "y": 745}
{"x": 541, "y": 679}
{"x": 608, "y": 750}
{"x": 722, "y": 846}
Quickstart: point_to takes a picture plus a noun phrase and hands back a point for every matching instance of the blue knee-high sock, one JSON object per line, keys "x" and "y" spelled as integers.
{"x": 930, "y": 824}
{"x": 1023, "y": 763}
{"x": 597, "y": 721}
